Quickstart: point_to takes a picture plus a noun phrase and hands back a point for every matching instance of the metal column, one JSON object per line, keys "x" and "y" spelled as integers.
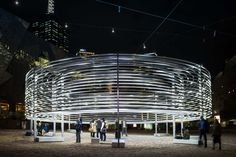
{"x": 54, "y": 125}
{"x": 173, "y": 126}
{"x": 69, "y": 123}
{"x": 167, "y": 125}
{"x": 62, "y": 125}
{"x": 182, "y": 125}
{"x": 155, "y": 125}
{"x": 35, "y": 127}
{"x": 31, "y": 123}
{"x": 118, "y": 97}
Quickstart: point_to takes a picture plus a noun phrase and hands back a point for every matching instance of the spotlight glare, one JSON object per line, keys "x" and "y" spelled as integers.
{"x": 16, "y": 2}
{"x": 144, "y": 46}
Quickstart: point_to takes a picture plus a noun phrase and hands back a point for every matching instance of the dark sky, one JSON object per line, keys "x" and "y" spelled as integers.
{"x": 201, "y": 31}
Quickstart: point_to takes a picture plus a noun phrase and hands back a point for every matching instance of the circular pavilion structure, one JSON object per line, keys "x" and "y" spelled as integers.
{"x": 140, "y": 88}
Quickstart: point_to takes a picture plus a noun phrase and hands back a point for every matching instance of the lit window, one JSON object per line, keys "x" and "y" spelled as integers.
{"x": 4, "y": 107}
{"x": 20, "y": 107}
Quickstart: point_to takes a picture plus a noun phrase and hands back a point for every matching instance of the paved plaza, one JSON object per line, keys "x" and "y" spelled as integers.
{"x": 14, "y": 143}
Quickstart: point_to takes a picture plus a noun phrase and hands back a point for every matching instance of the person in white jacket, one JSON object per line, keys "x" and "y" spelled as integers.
{"x": 124, "y": 128}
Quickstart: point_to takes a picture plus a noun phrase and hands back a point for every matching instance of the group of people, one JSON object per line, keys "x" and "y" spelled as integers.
{"x": 42, "y": 128}
{"x": 99, "y": 128}
{"x": 216, "y": 132}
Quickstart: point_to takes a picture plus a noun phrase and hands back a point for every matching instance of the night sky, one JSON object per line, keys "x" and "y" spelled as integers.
{"x": 201, "y": 31}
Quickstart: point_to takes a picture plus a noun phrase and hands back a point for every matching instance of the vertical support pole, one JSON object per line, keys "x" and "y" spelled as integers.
{"x": 62, "y": 125}
{"x": 182, "y": 125}
{"x": 155, "y": 125}
{"x": 118, "y": 96}
{"x": 54, "y": 125}
{"x": 173, "y": 126}
{"x": 200, "y": 87}
{"x": 31, "y": 123}
{"x": 69, "y": 123}
{"x": 167, "y": 125}
{"x": 35, "y": 127}
{"x": 167, "y": 132}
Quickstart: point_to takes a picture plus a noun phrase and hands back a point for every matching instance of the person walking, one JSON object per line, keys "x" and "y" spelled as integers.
{"x": 78, "y": 128}
{"x": 216, "y": 133}
{"x": 203, "y": 130}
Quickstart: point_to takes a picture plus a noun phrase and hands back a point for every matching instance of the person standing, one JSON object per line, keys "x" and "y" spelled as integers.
{"x": 98, "y": 127}
{"x": 216, "y": 133}
{"x": 39, "y": 128}
{"x": 92, "y": 128}
{"x": 118, "y": 129}
{"x": 124, "y": 128}
{"x": 202, "y": 129}
{"x": 78, "y": 128}
{"x": 103, "y": 130}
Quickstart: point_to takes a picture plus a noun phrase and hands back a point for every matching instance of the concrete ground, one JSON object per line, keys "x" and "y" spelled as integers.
{"x": 14, "y": 143}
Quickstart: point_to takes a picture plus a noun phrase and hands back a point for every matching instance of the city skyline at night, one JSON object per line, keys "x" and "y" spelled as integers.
{"x": 201, "y": 32}
{"x": 164, "y": 28}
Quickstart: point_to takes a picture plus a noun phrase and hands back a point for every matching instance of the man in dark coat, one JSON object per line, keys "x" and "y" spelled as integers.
{"x": 98, "y": 127}
{"x": 203, "y": 130}
{"x": 216, "y": 133}
{"x": 78, "y": 128}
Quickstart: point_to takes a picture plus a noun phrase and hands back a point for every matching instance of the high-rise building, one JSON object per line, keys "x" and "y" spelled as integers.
{"x": 50, "y": 7}
{"x": 20, "y": 50}
{"x": 51, "y": 30}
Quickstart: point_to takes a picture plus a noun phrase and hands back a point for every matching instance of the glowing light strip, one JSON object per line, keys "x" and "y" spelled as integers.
{"x": 148, "y": 84}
